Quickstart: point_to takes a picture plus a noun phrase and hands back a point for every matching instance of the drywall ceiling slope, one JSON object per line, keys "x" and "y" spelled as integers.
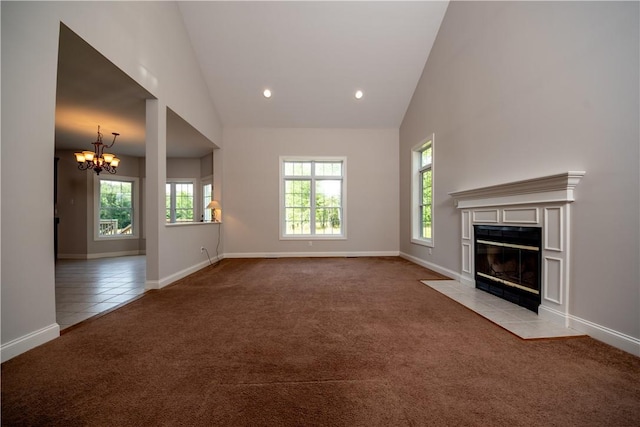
{"x": 92, "y": 91}
{"x": 313, "y": 56}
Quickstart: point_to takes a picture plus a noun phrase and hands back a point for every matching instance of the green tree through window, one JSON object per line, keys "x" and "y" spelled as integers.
{"x": 313, "y": 192}
{"x": 116, "y": 208}
{"x": 179, "y": 202}
{"x": 422, "y": 193}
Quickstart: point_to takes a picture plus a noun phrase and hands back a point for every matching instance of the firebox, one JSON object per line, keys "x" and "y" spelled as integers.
{"x": 507, "y": 263}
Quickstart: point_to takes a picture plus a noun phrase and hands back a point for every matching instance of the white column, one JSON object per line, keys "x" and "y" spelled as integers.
{"x": 156, "y": 171}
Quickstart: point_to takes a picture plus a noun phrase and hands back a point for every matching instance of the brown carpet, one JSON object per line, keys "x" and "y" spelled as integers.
{"x": 298, "y": 342}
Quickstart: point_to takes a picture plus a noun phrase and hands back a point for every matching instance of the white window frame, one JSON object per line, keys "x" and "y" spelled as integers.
{"x": 135, "y": 206}
{"x": 196, "y": 202}
{"x": 205, "y": 215}
{"x": 416, "y": 196}
{"x": 282, "y": 216}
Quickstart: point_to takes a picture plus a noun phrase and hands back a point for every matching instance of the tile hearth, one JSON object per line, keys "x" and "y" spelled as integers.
{"x": 515, "y": 319}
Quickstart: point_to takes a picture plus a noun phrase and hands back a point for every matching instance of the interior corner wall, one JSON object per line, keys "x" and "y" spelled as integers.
{"x": 206, "y": 165}
{"x": 148, "y": 41}
{"x": 71, "y": 206}
{"x": 250, "y": 207}
{"x": 515, "y": 90}
{"x": 183, "y": 168}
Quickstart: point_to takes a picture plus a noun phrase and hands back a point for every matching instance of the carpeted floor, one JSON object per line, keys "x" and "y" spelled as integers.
{"x": 298, "y": 342}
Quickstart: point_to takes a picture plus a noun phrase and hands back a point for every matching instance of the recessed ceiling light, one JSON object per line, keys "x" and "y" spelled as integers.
{"x": 359, "y": 94}
{"x": 267, "y": 93}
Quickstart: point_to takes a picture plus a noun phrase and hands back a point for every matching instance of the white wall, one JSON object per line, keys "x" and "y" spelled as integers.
{"x": 251, "y": 187}
{"x": 147, "y": 40}
{"x": 183, "y": 168}
{"x": 515, "y": 90}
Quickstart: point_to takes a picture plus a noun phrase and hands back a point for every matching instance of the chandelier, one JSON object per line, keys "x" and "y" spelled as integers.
{"x": 98, "y": 160}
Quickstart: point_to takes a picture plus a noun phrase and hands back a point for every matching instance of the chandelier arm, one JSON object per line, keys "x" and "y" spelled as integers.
{"x": 115, "y": 135}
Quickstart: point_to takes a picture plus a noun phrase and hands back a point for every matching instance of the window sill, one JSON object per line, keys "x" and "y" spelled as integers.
{"x": 423, "y": 242}
{"x": 186, "y": 224}
{"x": 110, "y": 238}
{"x": 314, "y": 237}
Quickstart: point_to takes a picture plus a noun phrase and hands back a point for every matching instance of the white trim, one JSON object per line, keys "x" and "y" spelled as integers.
{"x": 416, "y": 222}
{"x": 558, "y": 228}
{"x": 135, "y": 206}
{"x": 558, "y": 284}
{"x": 312, "y": 178}
{"x": 165, "y": 281}
{"x": 424, "y": 242}
{"x": 552, "y": 315}
{"x": 208, "y": 180}
{"x": 466, "y": 225}
{"x": 435, "y": 267}
{"x": 466, "y": 258}
{"x": 197, "y": 189}
{"x": 545, "y": 189}
{"x": 183, "y": 224}
{"x": 310, "y": 254}
{"x": 29, "y": 341}
{"x": 609, "y": 336}
{"x": 601, "y": 333}
{"x": 492, "y": 218}
{"x": 534, "y": 211}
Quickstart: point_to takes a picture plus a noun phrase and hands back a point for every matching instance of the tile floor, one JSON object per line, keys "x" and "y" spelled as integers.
{"x": 85, "y": 288}
{"x": 522, "y": 322}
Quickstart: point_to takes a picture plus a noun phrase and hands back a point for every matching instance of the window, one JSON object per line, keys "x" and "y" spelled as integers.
{"x": 116, "y": 207}
{"x": 422, "y": 200}
{"x": 312, "y": 198}
{"x": 207, "y": 196}
{"x": 180, "y": 202}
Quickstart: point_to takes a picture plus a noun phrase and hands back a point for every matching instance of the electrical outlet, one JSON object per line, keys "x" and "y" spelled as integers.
{"x": 430, "y": 251}
{"x": 310, "y": 243}
{"x": 202, "y": 249}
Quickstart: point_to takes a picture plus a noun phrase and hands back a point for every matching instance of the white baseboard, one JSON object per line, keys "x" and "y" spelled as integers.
{"x": 554, "y": 316}
{"x": 435, "y": 267}
{"x": 165, "y": 281}
{"x": 309, "y": 254}
{"x": 29, "y": 341}
{"x": 606, "y": 335}
{"x": 601, "y": 333}
{"x": 101, "y": 255}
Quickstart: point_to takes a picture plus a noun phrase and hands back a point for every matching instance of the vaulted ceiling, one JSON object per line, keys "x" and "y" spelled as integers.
{"x": 313, "y": 56}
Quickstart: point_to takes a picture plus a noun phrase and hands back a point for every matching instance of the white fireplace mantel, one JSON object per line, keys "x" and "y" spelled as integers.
{"x": 556, "y": 188}
{"x": 537, "y": 202}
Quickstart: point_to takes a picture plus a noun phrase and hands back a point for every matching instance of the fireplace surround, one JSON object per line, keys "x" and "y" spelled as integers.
{"x": 544, "y": 203}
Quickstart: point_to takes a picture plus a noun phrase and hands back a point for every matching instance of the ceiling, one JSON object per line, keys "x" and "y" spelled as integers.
{"x": 92, "y": 92}
{"x": 312, "y": 55}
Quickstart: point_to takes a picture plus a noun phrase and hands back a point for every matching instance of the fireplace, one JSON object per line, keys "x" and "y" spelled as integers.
{"x": 507, "y": 263}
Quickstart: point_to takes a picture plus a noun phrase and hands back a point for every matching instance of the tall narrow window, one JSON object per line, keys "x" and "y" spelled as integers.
{"x": 422, "y": 201}
{"x": 207, "y": 196}
{"x": 116, "y": 207}
{"x": 312, "y": 198}
{"x": 180, "y": 202}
